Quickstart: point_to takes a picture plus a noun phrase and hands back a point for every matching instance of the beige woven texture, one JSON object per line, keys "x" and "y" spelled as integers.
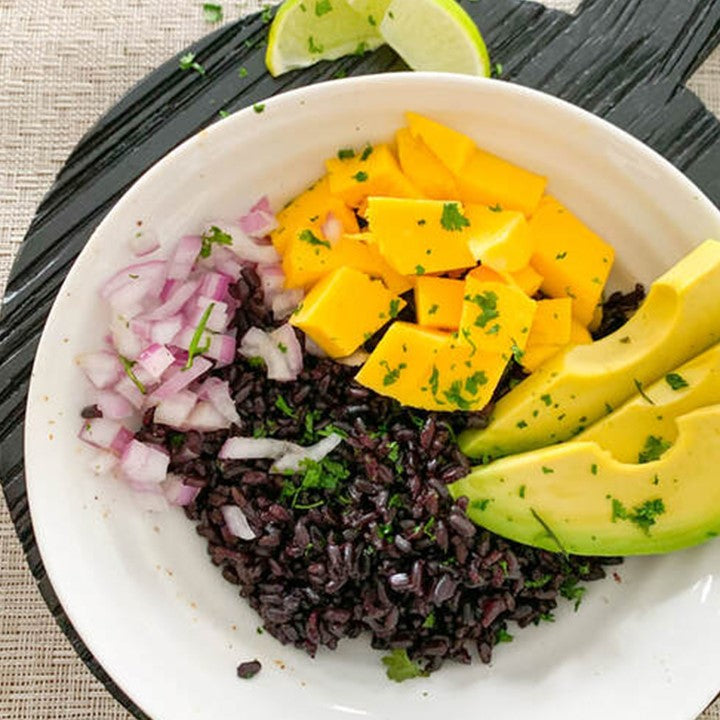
{"x": 62, "y": 64}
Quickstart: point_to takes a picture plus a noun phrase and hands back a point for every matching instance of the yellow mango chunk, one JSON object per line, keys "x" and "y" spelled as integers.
{"x": 536, "y": 355}
{"x": 573, "y": 260}
{"x": 528, "y": 279}
{"x": 489, "y": 180}
{"x": 344, "y": 309}
{"x": 499, "y": 238}
{"x": 452, "y": 148}
{"x": 397, "y": 366}
{"x": 420, "y": 236}
{"x": 369, "y": 173}
{"x": 423, "y": 168}
{"x": 552, "y": 323}
{"x": 439, "y": 302}
{"x": 496, "y": 318}
{"x": 461, "y": 378}
{"x": 309, "y": 211}
{"x": 483, "y": 273}
{"x": 579, "y": 334}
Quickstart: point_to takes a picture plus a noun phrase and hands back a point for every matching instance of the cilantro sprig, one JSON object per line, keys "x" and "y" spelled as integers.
{"x": 195, "y": 348}
{"x": 213, "y": 236}
{"x": 400, "y": 667}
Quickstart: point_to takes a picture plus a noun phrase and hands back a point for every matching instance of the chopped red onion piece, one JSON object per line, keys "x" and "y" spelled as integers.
{"x": 105, "y": 434}
{"x": 207, "y": 418}
{"x": 141, "y": 328}
{"x": 237, "y": 522}
{"x": 226, "y": 262}
{"x": 181, "y": 263}
{"x": 293, "y": 461}
{"x": 114, "y": 406}
{"x": 243, "y": 448}
{"x": 313, "y": 348}
{"x": 285, "y": 303}
{"x": 143, "y": 463}
{"x": 176, "y": 492}
{"x": 103, "y": 368}
{"x": 245, "y": 248}
{"x": 175, "y": 302}
{"x": 144, "y": 242}
{"x": 257, "y": 343}
{"x": 258, "y": 223}
{"x": 156, "y": 359}
{"x": 263, "y": 204}
{"x": 214, "y": 285}
{"x": 332, "y": 229}
{"x": 218, "y": 393}
{"x": 223, "y": 349}
{"x": 181, "y": 380}
{"x": 358, "y": 358}
{"x": 130, "y": 391}
{"x": 175, "y": 410}
{"x": 286, "y": 341}
{"x": 124, "y": 340}
{"x": 272, "y": 281}
{"x": 163, "y": 331}
{"x": 129, "y": 286}
{"x": 218, "y": 319}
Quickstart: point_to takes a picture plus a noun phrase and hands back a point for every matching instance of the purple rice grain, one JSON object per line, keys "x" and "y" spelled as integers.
{"x": 248, "y": 670}
{"x": 388, "y": 553}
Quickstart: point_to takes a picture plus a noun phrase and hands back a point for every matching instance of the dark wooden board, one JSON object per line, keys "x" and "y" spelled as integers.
{"x": 625, "y": 60}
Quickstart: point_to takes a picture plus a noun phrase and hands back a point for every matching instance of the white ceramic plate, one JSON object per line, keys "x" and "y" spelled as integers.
{"x": 139, "y": 588}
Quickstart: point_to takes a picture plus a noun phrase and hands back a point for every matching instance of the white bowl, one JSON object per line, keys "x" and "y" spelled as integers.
{"x": 139, "y": 587}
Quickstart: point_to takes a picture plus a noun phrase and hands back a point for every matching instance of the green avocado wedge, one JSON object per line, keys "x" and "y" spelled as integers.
{"x": 576, "y": 498}
{"x": 646, "y": 424}
{"x": 679, "y": 320}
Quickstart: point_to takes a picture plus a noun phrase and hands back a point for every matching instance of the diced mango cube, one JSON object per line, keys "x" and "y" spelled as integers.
{"x": 423, "y": 168}
{"x": 552, "y": 324}
{"x": 489, "y": 180}
{"x": 573, "y": 260}
{"x": 483, "y": 273}
{"x": 461, "y": 377}
{"x": 579, "y": 334}
{"x": 420, "y": 236}
{"x": 452, "y": 148}
{"x": 439, "y": 302}
{"x": 496, "y": 318}
{"x": 309, "y": 211}
{"x": 528, "y": 279}
{"x": 499, "y": 238}
{"x": 369, "y": 173}
{"x": 344, "y": 309}
{"x": 396, "y": 366}
{"x": 537, "y": 355}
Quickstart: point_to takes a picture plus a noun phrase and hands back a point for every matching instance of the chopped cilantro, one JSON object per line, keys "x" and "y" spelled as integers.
{"x": 267, "y": 13}
{"x": 223, "y": 114}
{"x": 487, "y": 302}
{"x": 433, "y": 309}
{"x": 434, "y": 381}
{"x": 517, "y": 353}
{"x": 393, "y": 375}
{"x": 546, "y": 399}
{"x": 643, "y": 515}
{"x": 419, "y": 270}
{"x": 481, "y": 504}
{"x": 541, "y": 582}
{"x": 188, "y": 62}
{"x": 176, "y": 440}
{"x": 255, "y": 362}
{"x": 195, "y": 348}
{"x": 212, "y": 12}
{"x": 468, "y": 336}
{"x": 454, "y": 396}
{"x": 214, "y": 236}
{"x": 572, "y": 591}
{"x": 395, "y": 501}
{"x": 311, "y": 238}
{"x": 521, "y": 491}
{"x": 594, "y": 469}
{"x": 473, "y": 383}
{"x": 242, "y": 72}
{"x": 547, "y": 470}
{"x": 324, "y": 475}
{"x": 366, "y": 153}
{"x": 372, "y": 20}
{"x": 128, "y": 367}
{"x": 400, "y": 667}
{"x": 676, "y": 382}
{"x": 394, "y": 308}
{"x": 495, "y": 208}
{"x": 282, "y": 405}
{"x": 497, "y": 68}
{"x": 361, "y": 176}
{"x": 259, "y": 108}
{"x": 361, "y": 48}
{"x": 346, "y": 154}
{"x": 561, "y": 255}
{"x": 313, "y": 48}
{"x": 655, "y": 448}
{"x": 322, "y": 7}
{"x": 522, "y": 425}
{"x": 282, "y": 347}
{"x": 452, "y": 219}
{"x": 429, "y": 622}
{"x": 422, "y": 222}
{"x": 642, "y": 392}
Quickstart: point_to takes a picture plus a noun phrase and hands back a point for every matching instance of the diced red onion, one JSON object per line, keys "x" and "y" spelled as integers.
{"x": 103, "y": 368}
{"x": 293, "y": 461}
{"x": 258, "y": 343}
{"x": 245, "y": 248}
{"x": 168, "y": 288}
{"x": 313, "y": 348}
{"x": 163, "y": 331}
{"x": 332, "y": 228}
{"x": 130, "y": 391}
{"x": 286, "y": 341}
{"x": 237, "y": 522}
{"x": 175, "y": 410}
{"x": 258, "y": 223}
{"x": 144, "y": 242}
{"x": 156, "y": 359}
{"x": 124, "y": 340}
{"x": 144, "y": 463}
{"x": 357, "y": 359}
{"x": 218, "y": 319}
{"x": 141, "y": 328}
{"x": 207, "y": 418}
{"x": 226, "y": 262}
{"x": 218, "y": 393}
{"x": 127, "y": 289}
{"x": 263, "y": 205}
{"x": 114, "y": 406}
{"x": 243, "y": 448}
{"x": 214, "y": 286}
{"x": 285, "y": 303}
{"x": 175, "y": 301}
{"x": 272, "y": 281}
{"x": 105, "y": 434}
{"x": 181, "y": 263}
{"x": 181, "y": 380}
{"x": 223, "y": 349}
{"x": 176, "y": 492}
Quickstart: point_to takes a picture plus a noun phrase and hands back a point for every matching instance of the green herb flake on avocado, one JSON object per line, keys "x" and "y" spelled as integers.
{"x": 676, "y": 382}
{"x": 655, "y": 448}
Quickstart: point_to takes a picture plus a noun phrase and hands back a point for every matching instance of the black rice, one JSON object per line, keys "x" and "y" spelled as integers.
{"x": 385, "y": 550}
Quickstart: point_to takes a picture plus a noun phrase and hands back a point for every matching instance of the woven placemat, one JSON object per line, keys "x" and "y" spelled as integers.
{"x": 62, "y": 64}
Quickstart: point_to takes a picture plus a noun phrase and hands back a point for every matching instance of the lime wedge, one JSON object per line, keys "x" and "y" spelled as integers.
{"x": 370, "y": 8}
{"x": 436, "y": 35}
{"x": 305, "y": 31}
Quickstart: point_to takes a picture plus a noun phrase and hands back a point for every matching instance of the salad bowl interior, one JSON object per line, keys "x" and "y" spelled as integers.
{"x": 138, "y": 586}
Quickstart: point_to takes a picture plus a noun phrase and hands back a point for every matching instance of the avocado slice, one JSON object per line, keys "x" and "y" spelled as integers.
{"x": 576, "y": 498}
{"x": 648, "y": 421}
{"x": 679, "y": 319}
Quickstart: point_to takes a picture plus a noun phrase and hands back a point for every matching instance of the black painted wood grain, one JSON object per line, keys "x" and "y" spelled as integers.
{"x": 625, "y": 60}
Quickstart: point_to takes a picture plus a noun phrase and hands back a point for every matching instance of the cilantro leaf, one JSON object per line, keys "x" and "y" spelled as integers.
{"x": 655, "y": 448}
{"x": 360, "y": 177}
{"x": 400, "y": 667}
{"x": 313, "y": 48}
{"x": 213, "y": 236}
{"x": 195, "y": 348}
{"x": 128, "y": 368}
{"x": 188, "y": 62}
{"x": 452, "y": 219}
{"x": 212, "y": 12}
{"x": 322, "y": 7}
{"x": 393, "y": 374}
{"x": 676, "y": 382}
{"x": 310, "y": 238}
{"x": 282, "y": 405}
{"x": 487, "y": 302}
